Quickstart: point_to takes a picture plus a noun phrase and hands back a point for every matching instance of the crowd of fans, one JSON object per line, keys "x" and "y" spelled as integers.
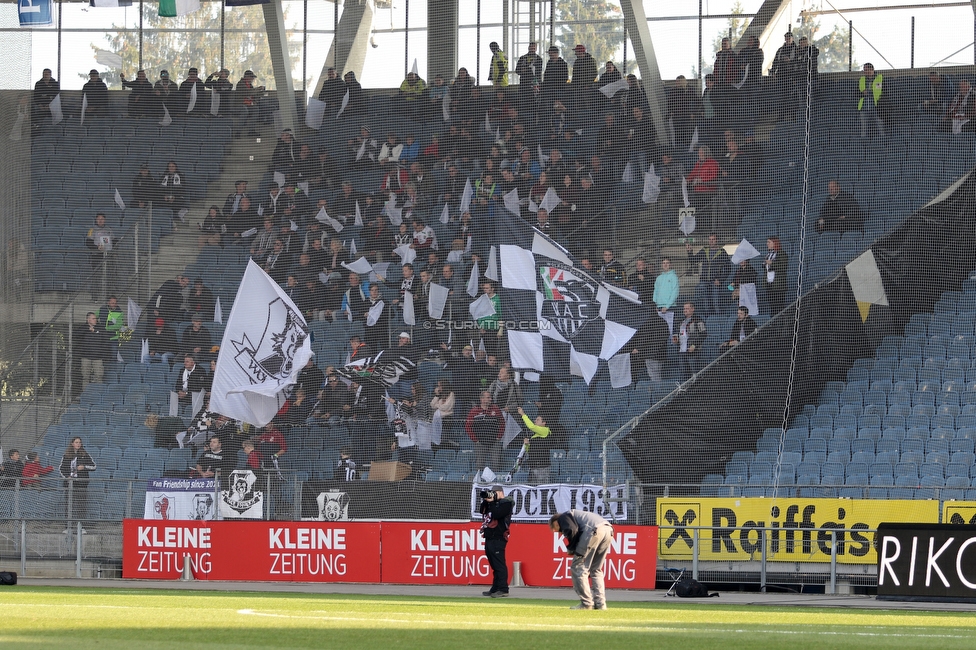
{"x": 526, "y": 139}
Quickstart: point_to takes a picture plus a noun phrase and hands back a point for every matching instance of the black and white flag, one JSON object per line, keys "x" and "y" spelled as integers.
{"x": 265, "y": 345}
{"x": 567, "y": 320}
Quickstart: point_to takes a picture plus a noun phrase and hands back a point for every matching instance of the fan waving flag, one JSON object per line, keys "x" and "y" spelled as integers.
{"x": 581, "y": 319}
{"x": 265, "y": 345}
{"x": 383, "y": 370}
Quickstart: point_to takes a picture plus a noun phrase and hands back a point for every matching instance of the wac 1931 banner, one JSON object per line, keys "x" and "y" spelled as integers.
{"x": 539, "y": 502}
{"x": 735, "y": 522}
{"x": 252, "y": 550}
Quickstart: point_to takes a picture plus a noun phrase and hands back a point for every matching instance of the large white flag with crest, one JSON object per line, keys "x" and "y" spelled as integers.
{"x": 265, "y": 345}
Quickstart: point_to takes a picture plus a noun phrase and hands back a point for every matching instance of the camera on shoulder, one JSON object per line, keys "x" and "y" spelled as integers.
{"x": 487, "y": 495}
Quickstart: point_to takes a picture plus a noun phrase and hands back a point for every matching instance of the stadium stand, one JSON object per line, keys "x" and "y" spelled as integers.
{"x": 900, "y": 426}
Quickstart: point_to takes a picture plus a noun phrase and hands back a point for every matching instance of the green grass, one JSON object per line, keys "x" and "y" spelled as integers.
{"x": 39, "y": 617}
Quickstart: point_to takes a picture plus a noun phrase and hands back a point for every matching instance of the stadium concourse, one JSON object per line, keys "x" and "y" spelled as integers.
{"x": 394, "y": 181}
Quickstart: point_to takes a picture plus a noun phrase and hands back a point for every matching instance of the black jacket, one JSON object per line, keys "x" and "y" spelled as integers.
{"x": 496, "y": 518}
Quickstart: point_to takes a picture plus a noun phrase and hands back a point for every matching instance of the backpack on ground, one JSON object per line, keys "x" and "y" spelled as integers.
{"x": 688, "y": 587}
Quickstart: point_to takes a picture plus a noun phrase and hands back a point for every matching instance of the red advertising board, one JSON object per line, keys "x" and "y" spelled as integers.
{"x": 427, "y": 552}
{"x": 437, "y": 553}
{"x": 252, "y": 550}
{"x": 631, "y": 562}
{"x": 453, "y": 553}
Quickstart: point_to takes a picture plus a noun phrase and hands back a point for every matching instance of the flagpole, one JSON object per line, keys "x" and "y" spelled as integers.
{"x": 140, "y": 34}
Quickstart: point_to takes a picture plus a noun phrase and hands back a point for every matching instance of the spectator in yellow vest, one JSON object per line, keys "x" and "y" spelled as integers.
{"x": 869, "y": 88}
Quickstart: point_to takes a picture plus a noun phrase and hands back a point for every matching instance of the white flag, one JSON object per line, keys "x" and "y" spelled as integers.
{"x": 342, "y": 106}
{"x": 619, "y": 366}
{"x": 414, "y": 68}
{"x": 744, "y": 251}
{"x": 218, "y": 312}
{"x": 105, "y": 57}
{"x": 628, "y": 175}
{"x": 190, "y": 105}
{"x": 409, "y": 315}
{"x": 694, "y": 140}
{"x": 279, "y": 179}
{"x": 144, "y": 353}
{"x": 361, "y": 151}
{"x": 483, "y": 307}
{"x": 118, "y": 200}
{"x": 407, "y": 254}
{"x": 167, "y": 118}
{"x": 323, "y": 217}
{"x": 174, "y": 404}
{"x": 747, "y": 298}
{"x": 745, "y": 75}
{"x": 684, "y": 192}
{"x": 264, "y": 348}
{"x": 511, "y": 200}
{"x": 395, "y": 214}
{"x": 549, "y": 201}
{"x": 466, "y": 197}
{"x": 84, "y": 106}
{"x": 512, "y": 429}
{"x": 55, "y": 107}
{"x": 472, "y": 287}
{"x": 214, "y": 102}
{"x": 436, "y": 300}
{"x": 17, "y": 131}
{"x": 359, "y": 216}
{"x": 652, "y": 186}
{"x": 352, "y": 246}
{"x": 314, "y": 113}
{"x": 612, "y": 89}
{"x": 360, "y": 266}
{"x": 446, "y": 107}
{"x": 196, "y": 402}
{"x": 491, "y": 271}
{"x": 445, "y": 215}
{"x": 133, "y": 313}
{"x": 487, "y": 124}
{"x": 532, "y": 206}
{"x": 374, "y": 313}
{"x": 379, "y": 271}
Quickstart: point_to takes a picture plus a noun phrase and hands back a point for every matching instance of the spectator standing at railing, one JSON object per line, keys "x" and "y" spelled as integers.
{"x": 34, "y": 470}
{"x": 783, "y": 71}
{"x": 870, "y": 90}
{"x": 357, "y": 100}
{"x": 554, "y": 79}
{"x": 45, "y": 90}
{"x": 962, "y": 110}
{"x": 97, "y": 93}
{"x": 726, "y": 73}
{"x": 202, "y": 106}
{"x": 666, "y": 287}
{"x": 141, "y": 97}
{"x": 12, "y": 469}
{"x": 685, "y": 107}
{"x": 935, "y": 95}
{"x": 333, "y": 89}
{"x": 777, "y": 262}
{"x": 715, "y": 267}
{"x": 584, "y": 74}
{"x": 144, "y": 186}
{"x": 94, "y": 349}
{"x": 690, "y": 337}
{"x": 218, "y": 82}
{"x": 76, "y": 466}
{"x": 166, "y": 92}
{"x": 100, "y": 240}
{"x": 247, "y": 99}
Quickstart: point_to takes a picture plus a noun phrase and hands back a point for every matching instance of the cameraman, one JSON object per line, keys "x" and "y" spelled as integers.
{"x": 496, "y": 513}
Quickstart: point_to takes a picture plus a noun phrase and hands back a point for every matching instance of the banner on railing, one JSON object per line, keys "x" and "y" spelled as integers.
{"x": 539, "y": 502}
{"x": 927, "y": 562}
{"x": 174, "y": 499}
{"x": 735, "y": 524}
{"x": 252, "y": 550}
{"x": 436, "y": 553}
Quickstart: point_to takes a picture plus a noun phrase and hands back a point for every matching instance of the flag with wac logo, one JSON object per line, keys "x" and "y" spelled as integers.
{"x": 561, "y": 319}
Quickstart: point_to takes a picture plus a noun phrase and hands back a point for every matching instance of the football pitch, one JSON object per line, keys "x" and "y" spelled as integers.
{"x": 42, "y": 617}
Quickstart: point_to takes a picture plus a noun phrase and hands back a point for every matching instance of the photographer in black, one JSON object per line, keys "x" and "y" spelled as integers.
{"x": 496, "y": 513}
